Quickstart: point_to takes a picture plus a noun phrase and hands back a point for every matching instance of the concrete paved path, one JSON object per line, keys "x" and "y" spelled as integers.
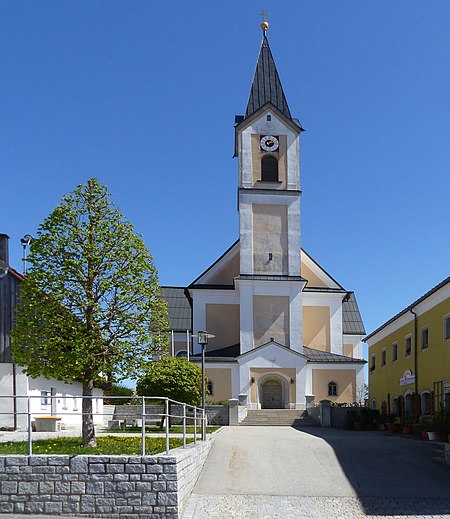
{"x": 276, "y": 472}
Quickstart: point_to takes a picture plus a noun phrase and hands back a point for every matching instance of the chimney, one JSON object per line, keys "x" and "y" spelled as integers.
{"x": 4, "y": 250}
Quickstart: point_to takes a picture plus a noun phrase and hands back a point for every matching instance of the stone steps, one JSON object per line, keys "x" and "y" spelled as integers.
{"x": 278, "y": 417}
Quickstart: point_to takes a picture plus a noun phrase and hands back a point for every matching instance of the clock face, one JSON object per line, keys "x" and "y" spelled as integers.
{"x": 269, "y": 143}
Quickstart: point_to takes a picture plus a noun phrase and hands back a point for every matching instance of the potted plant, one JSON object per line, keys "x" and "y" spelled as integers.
{"x": 407, "y": 424}
{"x": 441, "y": 424}
{"x": 392, "y": 423}
{"x": 427, "y": 427}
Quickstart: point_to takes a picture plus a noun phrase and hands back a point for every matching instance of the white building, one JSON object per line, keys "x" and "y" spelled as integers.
{"x": 49, "y": 397}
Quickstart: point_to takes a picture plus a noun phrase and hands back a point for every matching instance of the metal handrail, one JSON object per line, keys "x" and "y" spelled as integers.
{"x": 143, "y": 415}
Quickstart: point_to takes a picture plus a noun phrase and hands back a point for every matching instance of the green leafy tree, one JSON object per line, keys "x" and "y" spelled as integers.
{"x": 172, "y": 377}
{"x": 90, "y": 304}
{"x": 118, "y": 390}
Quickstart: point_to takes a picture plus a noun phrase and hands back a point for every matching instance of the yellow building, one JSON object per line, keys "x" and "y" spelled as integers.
{"x": 409, "y": 357}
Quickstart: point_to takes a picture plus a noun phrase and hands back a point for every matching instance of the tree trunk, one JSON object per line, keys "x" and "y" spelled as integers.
{"x": 88, "y": 419}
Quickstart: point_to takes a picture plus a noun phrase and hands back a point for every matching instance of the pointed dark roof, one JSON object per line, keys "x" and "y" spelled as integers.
{"x": 266, "y": 86}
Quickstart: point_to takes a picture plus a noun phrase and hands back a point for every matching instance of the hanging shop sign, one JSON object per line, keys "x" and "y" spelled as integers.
{"x": 408, "y": 378}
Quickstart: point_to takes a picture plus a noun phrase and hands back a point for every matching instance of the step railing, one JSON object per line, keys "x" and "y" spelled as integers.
{"x": 190, "y": 414}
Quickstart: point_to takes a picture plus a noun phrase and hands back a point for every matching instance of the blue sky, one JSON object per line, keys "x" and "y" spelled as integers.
{"x": 143, "y": 94}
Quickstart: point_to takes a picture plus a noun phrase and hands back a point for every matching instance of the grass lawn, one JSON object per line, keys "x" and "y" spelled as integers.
{"x": 176, "y": 429}
{"x": 105, "y": 445}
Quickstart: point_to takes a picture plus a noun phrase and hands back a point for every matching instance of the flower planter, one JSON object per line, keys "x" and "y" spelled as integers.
{"x": 393, "y": 427}
{"x": 431, "y": 435}
{"x": 407, "y": 429}
{"x": 424, "y": 435}
{"x": 359, "y": 426}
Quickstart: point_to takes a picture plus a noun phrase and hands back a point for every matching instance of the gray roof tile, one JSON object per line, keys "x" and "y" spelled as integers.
{"x": 351, "y": 318}
{"x": 325, "y": 356}
{"x": 266, "y": 86}
{"x": 179, "y": 308}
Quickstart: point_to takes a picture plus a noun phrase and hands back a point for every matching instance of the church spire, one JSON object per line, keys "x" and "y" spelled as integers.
{"x": 266, "y": 86}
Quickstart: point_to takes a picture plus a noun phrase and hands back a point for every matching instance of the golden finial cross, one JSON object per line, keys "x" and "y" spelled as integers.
{"x": 265, "y": 23}
{"x": 264, "y": 15}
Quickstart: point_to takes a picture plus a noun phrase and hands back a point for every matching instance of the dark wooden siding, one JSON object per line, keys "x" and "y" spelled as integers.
{"x": 9, "y": 290}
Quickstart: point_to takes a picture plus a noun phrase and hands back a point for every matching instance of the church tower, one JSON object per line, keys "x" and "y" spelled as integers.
{"x": 283, "y": 333}
{"x": 267, "y": 148}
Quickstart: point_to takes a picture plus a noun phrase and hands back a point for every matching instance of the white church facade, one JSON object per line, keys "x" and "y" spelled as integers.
{"x": 286, "y": 333}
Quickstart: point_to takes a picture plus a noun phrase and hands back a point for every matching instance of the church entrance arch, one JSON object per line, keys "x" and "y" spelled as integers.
{"x": 273, "y": 391}
{"x": 272, "y": 395}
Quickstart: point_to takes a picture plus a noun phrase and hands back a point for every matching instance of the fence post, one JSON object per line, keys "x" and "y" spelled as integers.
{"x": 184, "y": 425}
{"x": 143, "y": 425}
{"x": 325, "y": 413}
{"x": 203, "y": 424}
{"x": 30, "y": 444}
{"x": 167, "y": 425}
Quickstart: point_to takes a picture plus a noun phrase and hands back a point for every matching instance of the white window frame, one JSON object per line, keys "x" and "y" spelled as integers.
{"x": 446, "y": 320}
{"x": 333, "y": 388}
{"x": 45, "y": 397}
{"x": 408, "y": 337}
{"x": 394, "y": 348}
{"x": 422, "y": 330}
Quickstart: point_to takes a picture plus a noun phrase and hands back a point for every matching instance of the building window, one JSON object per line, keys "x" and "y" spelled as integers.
{"x": 424, "y": 338}
{"x": 425, "y": 402}
{"x": 75, "y": 404}
{"x": 447, "y": 327}
{"x": 372, "y": 362}
{"x": 408, "y": 345}
{"x": 394, "y": 352}
{"x": 383, "y": 357}
{"x": 64, "y": 401}
{"x": 269, "y": 117}
{"x": 374, "y": 403}
{"x": 210, "y": 387}
{"x": 332, "y": 389}
{"x": 269, "y": 169}
{"x": 45, "y": 398}
{"x": 395, "y": 406}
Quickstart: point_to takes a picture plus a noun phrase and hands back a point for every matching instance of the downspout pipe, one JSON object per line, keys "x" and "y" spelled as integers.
{"x": 416, "y": 383}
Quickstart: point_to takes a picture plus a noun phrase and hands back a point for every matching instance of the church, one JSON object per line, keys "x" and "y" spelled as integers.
{"x": 286, "y": 333}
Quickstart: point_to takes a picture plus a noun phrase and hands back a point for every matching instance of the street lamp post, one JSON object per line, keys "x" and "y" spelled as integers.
{"x": 202, "y": 338}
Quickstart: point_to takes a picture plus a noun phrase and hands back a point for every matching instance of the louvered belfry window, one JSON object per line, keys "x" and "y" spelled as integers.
{"x": 269, "y": 169}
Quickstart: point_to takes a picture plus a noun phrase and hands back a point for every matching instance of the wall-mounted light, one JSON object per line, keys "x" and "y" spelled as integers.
{"x": 252, "y": 380}
{"x": 292, "y": 380}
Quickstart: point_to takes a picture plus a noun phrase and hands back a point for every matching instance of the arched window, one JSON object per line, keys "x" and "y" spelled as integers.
{"x": 395, "y": 406}
{"x": 374, "y": 403}
{"x": 210, "y": 387}
{"x": 332, "y": 389}
{"x": 425, "y": 403}
{"x": 269, "y": 169}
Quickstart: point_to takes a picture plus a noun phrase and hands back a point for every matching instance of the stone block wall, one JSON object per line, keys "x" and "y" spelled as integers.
{"x": 217, "y": 414}
{"x": 112, "y": 487}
